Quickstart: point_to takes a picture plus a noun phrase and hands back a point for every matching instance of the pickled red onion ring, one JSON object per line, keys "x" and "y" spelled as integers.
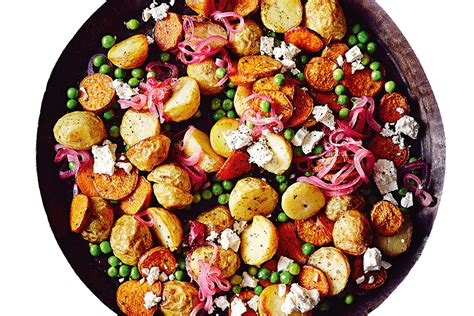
{"x": 158, "y": 65}
{"x": 141, "y": 221}
{"x": 71, "y": 155}
{"x": 137, "y": 102}
{"x": 259, "y": 96}
{"x": 421, "y": 195}
{"x": 224, "y": 18}
{"x": 197, "y": 234}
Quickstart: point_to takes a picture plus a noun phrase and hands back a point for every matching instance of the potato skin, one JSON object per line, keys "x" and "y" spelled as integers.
{"x": 210, "y": 161}
{"x": 179, "y": 298}
{"x": 167, "y": 228}
{"x": 149, "y": 153}
{"x": 226, "y": 260}
{"x": 336, "y": 205}
{"x": 352, "y": 233}
{"x": 216, "y": 219}
{"x": 172, "y": 174}
{"x": 302, "y": 200}
{"x": 129, "y": 239}
{"x": 185, "y": 100}
{"x": 218, "y": 142}
{"x": 129, "y": 53}
{"x": 250, "y": 197}
{"x": 205, "y": 75}
{"x": 100, "y": 221}
{"x": 79, "y": 130}
{"x": 171, "y": 197}
{"x": 259, "y": 241}
{"x": 247, "y": 42}
{"x": 326, "y": 18}
{"x": 280, "y": 16}
{"x": 137, "y": 126}
{"x": 399, "y": 243}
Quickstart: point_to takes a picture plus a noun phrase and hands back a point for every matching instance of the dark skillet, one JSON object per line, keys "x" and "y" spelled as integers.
{"x": 395, "y": 54}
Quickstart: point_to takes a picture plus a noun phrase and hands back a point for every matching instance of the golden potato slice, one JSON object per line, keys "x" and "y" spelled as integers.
{"x": 337, "y": 205}
{"x": 130, "y": 297}
{"x": 313, "y": 278}
{"x": 386, "y": 218}
{"x": 149, "y": 153}
{"x": 171, "y": 197}
{"x": 79, "y": 212}
{"x": 205, "y": 75}
{"x": 129, "y": 53}
{"x": 137, "y": 126}
{"x": 319, "y": 73}
{"x": 250, "y": 197}
{"x": 241, "y": 93}
{"x": 139, "y": 199}
{"x": 335, "y": 266}
{"x": 399, "y": 243}
{"x": 259, "y": 241}
{"x": 326, "y": 18}
{"x": 167, "y": 228}
{"x": 172, "y": 174}
{"x": 270, "y": 302}
{"x": 247, "y": 42}
{"x": 218, "y": 142}
{"x": 100, "y": 221}
{"x": 280, "y": 16}
{"x": 216, "y": 219}
{"x": 98, "y": 95}
{"x": 185, "y": 100}
{"x": 117, "y": 186}
{"x": 226, "y": 260}
{"x": 210, "y": 161}
{"x": 282, "y": 154}
{"x": 302, "y": 200}
{"x": 352, "y": 233}
{"x": 179, "y": 298}
{"x": 79, "y": 130}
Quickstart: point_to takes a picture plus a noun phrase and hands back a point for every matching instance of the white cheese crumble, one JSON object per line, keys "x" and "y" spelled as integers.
{"x": 299, "y": 136}
{"x": 104, "y": 158}
{"x": 239, "y": 226}
{"x": 125, "y": 166}
{"x": 85, "y": 95}
{"x": 151, "y": 300}
{"x": 400, "y": 110}
{"x": 213, "y": 235}
{"x": 385, "y": 176}
{"x": 248, "y": 281}
{"x": 285, "y": 53}
{"x": 150, "y": 40}
{"x": 323, "y": 114}
{"x": 399, "y": 140}
{"x": 158, "y": 12}
{"x": 340, "y": 61}
{"x": 385, "y": 265}
{"x": 153, "y": 274}
{"x": 300, "y": 299}
{"x": 123, "y": 90}
{"x": 311, "y": 140}
{"x": 388, "y": 130}
{"x": 281, "y": 290}
{"x": 283, "y": 263}
{"x": 266, "y": 45}
{"x": 163, "y": 277}
{"x": 239, "y": 138}
{"x": 253, "y": 303}
{"x": 356, "y": 65}
{"x": 238, "y": 307}
{"x": 171, "y": 277}
{"x": 260, "y": 153}
{"x": 372, "y": 260}
{"x": 360, "y": 280}
{"x": 407, "y": 126}
{"x": 222, "y": 302}
{"x": 354, "y": 54}
{"x": 229, "y": 239}
{"x": 371, "y": 279}
{"x": 389, "y": 197}
{"x": 407, "y": 200}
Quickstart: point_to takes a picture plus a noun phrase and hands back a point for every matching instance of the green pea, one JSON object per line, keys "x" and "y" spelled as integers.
{"x": 376, "y": 75}
{"x": 271, "y": 34}
{"x": 138, "y": 73}
{"x": 98, "y": 61}
{"x": 217, "y": 189}
{"x": 298, "y": 151}
{"x": 219, "y": 114}
{"x": 340, "y": 89}
{"x": 134, "y": 273}
{"x": 182, "y": 264}
{"x": 279, "y": 79}
{"x": 404, "y": 209}
{"x": 363, "y": 37}
{"x": 112, "y": 272}
{"x": 338, "y": 74}
{"x": 344, "y": 112}
{"x": 227, "y": 185}
{"x": 71, "y": 104}
{"x": 285, "y": 277}
{"x": 94, "y": 250}
{"x": 282, "y": 217}
{"x": 282, "y": 187}
{"x": 275, "y": 277}
{"x": 342, "y": 99}
{"x": 124, "y": 270}
{"x": 308, "y": 173}
{"x": 227, "y": 105}
{"x": 114, "y": 131}
{"x": 105, "y": 247}
{"x": 133, "y": 82}
{"x": 307, "y": 249}
{"x": 249, "y": 125}
{"x": 236, "y": 279}
{"x": 231, "y": 114}
{"x": 289, "y": 134}
{"x": 151, "y": 74}
{"x": 375, "y": 65}
{"x": 230, "y": 85}
{"x": 179, "y": 275}
{"x": 349, "y": 299}
{"x": 119, "y": 73}
{"x": 198, "y": 114}
{"x": 324, "y": 306}
{"x": 365, "y": 60}
{"x": 197, "y": 198}
{"x": 72, "y": 93}
{"x": 356, "y": 28}
{"x": 258, "y": 289}
{"x": 230, "y": 93}
{"x": 300, "y": 76}
{"x": 236, "y": 289}
{"x": 402, "y": 191}
{"x": 132, "y": 24}
{"x": 206, "y": 194}
{"x": 318, "y": 149}
{"x": 352, "y": 40}
{"x": 104, "y": 69}
{"x": 252, "y": 270}
{"x": 265, "y": 106}
{"x": 362, "y": 47}
{"x": 294, "y": 268}
{"x": 371, "y": 48}
{"x": 216, "y": 104}
{"x": 71, "y": 165}
{"x": 222, "y": 199}
{"x": 263, "y": 274}
{"x": 220, "y": 73}
{"x": 109, "y": 115}
{"x": 280, "y": 178}
{"x": 127, "y": 147}
{"x": 165, "y": 57}
{"x": 108, "y": 41}
{"x": 113, "y": 261}
{"x": 304, "y": 59}
{"x": 390, "y": 86}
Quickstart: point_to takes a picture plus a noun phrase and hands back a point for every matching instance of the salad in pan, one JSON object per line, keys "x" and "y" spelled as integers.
{"x": 250, "y": 158}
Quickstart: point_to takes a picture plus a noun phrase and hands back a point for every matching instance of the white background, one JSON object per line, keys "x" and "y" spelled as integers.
{"x": 37, "y": 278}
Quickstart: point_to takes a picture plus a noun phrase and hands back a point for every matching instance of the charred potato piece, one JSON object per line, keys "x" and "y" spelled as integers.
{"x": 167, "y": 228}
{"x": 335, "y": 50}
{"x": 171, "y": 174}
{"x": 303, "y": 106}
{"x": 385, "y": 148}
{"x": 101, "y": 219}
{"x": 96, "y": 93}
{"x": 335, "y": 266}
{"x": 220, "y": 128}
{"x": 360, "y": 83}
{"x": 280, "y": 103}
{"x": 137, "y": 126}
{"x": 247, "y": 42}
{"x": 245, "y": 7}
{"x": 226, "y": 260}
{"x": 129, "y": 239}
{"x": 386, "y": 218}
{"x": 319, "y": 74}
{"x": 169, "y": 31}
{"x": 393, "y": 107}
{"x": 84, "y": 177}
{"x": 268, "y": 83}
{"x": 129, "y": 53}
{"x": 149, "y": 153}
{"x": 171, "y": 197}
{"x": 159, "y": 257}
{"x": 326, "y": 18}
{"x": 313, "y": 278}
{"x": 352, "y": 233}
{"x": 210, "y": 160}
{"x": 130, "y": 297}
{"x": 216, "y": 219}
{"x": 179, "y": 298}
{"x": 399, "y": 243}
{"x": 79, "y": 130}
{"x": 79, "y": 212}
{"x": 259, "y": 241}
{"x": 337, "y": 205}
{"x": 205, "y": 75}
{"x": 139, "y": 199}
{"x": 302, "y": 200}
{"x": 117, "y": 186}
{"x": 289, "y": 245}
{"x": 304, "y": 39}
{"x": 258, "y": 66}
{"x": 201, "y": 7}
{"x": 315, "y": 230}
{"x": 329, "y": 98}
{"x": 185, "y": 100}
{"x": 280, "y": 16}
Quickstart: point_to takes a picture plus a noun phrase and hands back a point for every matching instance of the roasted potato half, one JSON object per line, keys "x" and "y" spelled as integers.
{"x": 259, "y": 241}
{"x": 326, "y": 18}
{"x": 167, "y": 228}
{"x": 282, "y": 154}
{"x": 247, "y": 42}
{"x": 281, "y": 15}
{"x": 386, "y": 218}
{"x": 218, "y": 142}
{"x": 130, "y": 296}
{"x": 226, "y": 260}
{"x": 100, "y": 221}
{"x": 172, "y": 174}
{"x": 399, "y": 243}
{"x": 302, "y": 200}
{"x": 241, "y": 93}
{"x": 250, "y": 197}
{"x": 205, "y": 75}
{"x": 185, "y": 100}
{"x": 337, "y": 205}
{"x": 171, "y": 197}
{"x": 79, "y": 130}
{"x": 216, "y": 219}
{"x": 270, "y": 302}
{"x": 129, "y": 53}
{"x": 210, "y": 161}
{"x": 149, "y": 153}
{"x": 352, "y": 233}
{"x": 137, "y": 126}
{"x": 178, "y": 298}
{"x": 313, "y": 278}
{"x": 335, "y": 266}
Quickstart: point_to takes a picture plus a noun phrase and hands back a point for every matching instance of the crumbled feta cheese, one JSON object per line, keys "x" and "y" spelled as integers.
{"x": 172, "y": 2}
{"x": 360, "y": 280}
{"x": 238, "y": 307}
{"x": 299, "y": 136}
{"x": 171, "y": 277}
{"x": 151, "y": 300}
{"x": 288, "y": 65}
{"x": 158, "y": 12}
{"x": 407, "y": 126}
{"x": 354, "y": 54}
{"x": 281, "y": 290}
{"x": 385, "y": 265}
{"x": 229, "y": 239}
{"x": 372, "y": 260}
{"x": 248, "y": 281}
{"x": 253, "y": 303}
{"x": 121, "y": 280}
{"x": 286, "y": 51}
{"x": 104, "y": 158}
{"x": 399, "y": 140}
{"x": 283, "y": 263}
{"x": 371, "y": 279}
{"x": 385, "y": 176}
{"x": 266, "y": 45}
{"x": 239, "y": 138}
{"x": 305, "y": 89}
{"x": 300, "y": 299}
{"x": 125, "y": 166}
{"x": 163, "y": 277}
{"x": 316, "y": 277}
{"x": 387, "y": 130}
{"x": 389, "y": 197}
{"x": 400, "y": 110}
{"x": 311, "y": 140}
{"x": 210, "y": 310}
{"x": 222, "y": 302}
{"x": 85, "y": 95}
{"x": 294, "y": 72}
{"x": 153, "y": 274}
{"x": 239, "y": 226}
{"x": 356, "y": 65}
{"x": 213, "y": 235}
{"x": 260, "y": 153}
{"x": 123, "y": 90}
{"x": 407, "y": 200}
{"x": 150, "y": 40}
{"x": 323, "y": 114}
{"x": 340, "y": 61}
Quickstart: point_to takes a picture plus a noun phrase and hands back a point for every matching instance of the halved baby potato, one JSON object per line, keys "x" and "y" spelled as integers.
{"x": 270, "y": 302}
{"x": 205, "y": 75}
{"x": 259, "y": 241}
{"x": 216, "y": 219}
{"x": 149, "y": 153}
{"x": 137, "y": 126}
{"x": 335, "y": 266}
{"x": 210, "y": 160}
{"x": 179, "y": 298}
{"x": 226, "y": 260}
{"x": 302, "y": 200}
{"x": 185, "y": 100}
{"x": 281, "y": 15}
{"x": 241, "y": 93}
{"x": 352, "y": 233}
{"x": 167, "y": 228}
{"x": 172, "y": 174}
{"x": 171, "y": 197}
{"x": 129, "y": 53}
{"x": 282, "y": 154}
{"x": 399, "y": 243}
{"x": 218, "y": 142}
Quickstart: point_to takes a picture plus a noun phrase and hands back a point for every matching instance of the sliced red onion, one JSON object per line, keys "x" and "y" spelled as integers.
{"x": 172, "y": 70}
{"x": 421, "y": 195}
{"x": 141, "y": 221}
